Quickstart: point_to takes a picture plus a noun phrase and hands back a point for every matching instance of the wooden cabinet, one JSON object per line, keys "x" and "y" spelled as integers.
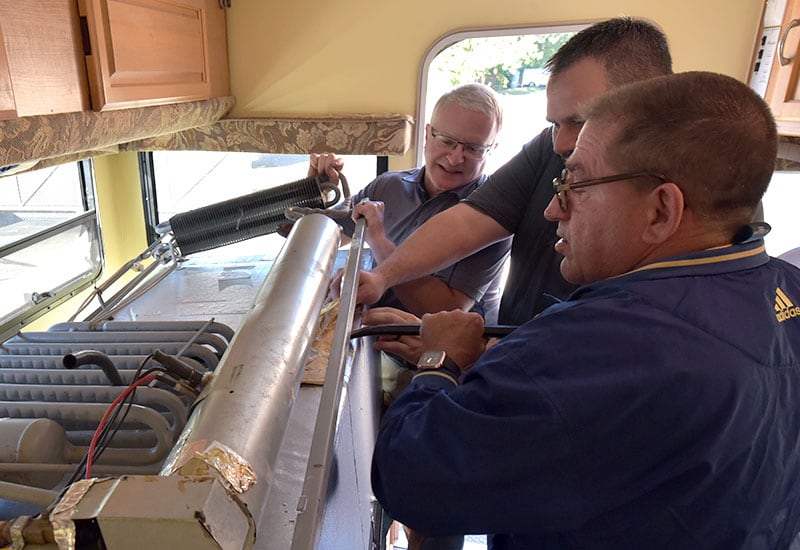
{"x": 59, "y": 56}
{"x": 42, "y": 70}
{"x": 146, "y": 52}
{"x": 8, "y": 107}
{"x": 782, "y": 45}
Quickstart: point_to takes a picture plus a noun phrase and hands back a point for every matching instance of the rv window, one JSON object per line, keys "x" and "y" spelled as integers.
{"x": 37, "y": 200}
{"x": 511, "y": 61}
{"x": 780, "y": 211}
{"x": 49, "y": 240}
{"x": 185, "y": 180}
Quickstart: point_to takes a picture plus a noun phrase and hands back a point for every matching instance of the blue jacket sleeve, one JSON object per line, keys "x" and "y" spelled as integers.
{"x": 447, "y": 438}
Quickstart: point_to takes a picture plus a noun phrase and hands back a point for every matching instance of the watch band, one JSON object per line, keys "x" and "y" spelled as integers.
{"x": 451, "y": 365}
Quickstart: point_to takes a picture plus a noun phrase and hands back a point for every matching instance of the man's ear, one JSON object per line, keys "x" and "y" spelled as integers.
{"x": 665, "y": 212}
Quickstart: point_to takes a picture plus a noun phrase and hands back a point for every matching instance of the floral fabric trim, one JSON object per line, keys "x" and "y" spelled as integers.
{"x": 351, "y": 135}
{"x": 67, "y": 135}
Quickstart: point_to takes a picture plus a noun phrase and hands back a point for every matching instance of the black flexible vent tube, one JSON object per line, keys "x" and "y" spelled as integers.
{"x": 245, "y": 217}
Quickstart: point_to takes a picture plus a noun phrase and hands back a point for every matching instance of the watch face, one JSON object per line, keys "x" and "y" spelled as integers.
{"x": 431, "y": 359}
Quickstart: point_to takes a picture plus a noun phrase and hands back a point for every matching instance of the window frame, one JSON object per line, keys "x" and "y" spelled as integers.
{"x": 149, "y": 183}
{"x": 15, "y": 320}
{"x": 454, "y": 37}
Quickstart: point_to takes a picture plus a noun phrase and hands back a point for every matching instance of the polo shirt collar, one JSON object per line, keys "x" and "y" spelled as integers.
{"x": 417, "y": 177}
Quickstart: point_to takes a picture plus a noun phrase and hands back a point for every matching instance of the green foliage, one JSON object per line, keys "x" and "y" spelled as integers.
{"x": 496, "y": 60}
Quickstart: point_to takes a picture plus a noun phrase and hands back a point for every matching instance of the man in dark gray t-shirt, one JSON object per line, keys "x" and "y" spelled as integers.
{"x": 512, "y": 202}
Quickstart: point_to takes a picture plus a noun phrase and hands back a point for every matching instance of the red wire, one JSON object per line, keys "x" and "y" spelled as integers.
{"x": 103, "y": 420}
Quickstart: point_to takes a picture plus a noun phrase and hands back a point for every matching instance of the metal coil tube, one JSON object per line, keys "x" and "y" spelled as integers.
{"x": 211, "y": 327}
{"x": 154, "y": 398}
{"x": 54, "y": 376}
{"x": 242, "y": 218}
{"x": 91, "y": 413}
{"x": 202, "y": 354}
{"x": 47, "y": 337}
{"x": 123, "y": 363}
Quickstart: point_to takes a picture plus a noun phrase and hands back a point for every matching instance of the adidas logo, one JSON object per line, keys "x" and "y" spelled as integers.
{"x": 784, "y": 308}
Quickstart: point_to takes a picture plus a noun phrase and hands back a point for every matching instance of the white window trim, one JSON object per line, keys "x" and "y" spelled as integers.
{"x": 456, "y": 36}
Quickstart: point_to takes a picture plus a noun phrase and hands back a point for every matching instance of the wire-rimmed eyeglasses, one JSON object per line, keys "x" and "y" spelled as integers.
{"x": 560, "y": 186}
{"x": 472, "y": 150}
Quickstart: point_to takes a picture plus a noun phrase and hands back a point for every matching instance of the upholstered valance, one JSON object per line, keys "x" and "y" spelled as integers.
{"x": 85, "y": 133}
{"x": 40, "y": 141}
{"x": 348, "y": 134}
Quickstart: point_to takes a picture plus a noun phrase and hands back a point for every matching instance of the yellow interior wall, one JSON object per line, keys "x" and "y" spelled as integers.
{"x": 119, "y": 206}
{"x": 362, "y": 56}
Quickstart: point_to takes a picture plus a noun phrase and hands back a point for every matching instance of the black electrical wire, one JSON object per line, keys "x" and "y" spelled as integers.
{"x": 412, "y": 329}
{"x": 104, "y": 434}
{"x": 112, "y": 426}
{"x": 105, "y": 437}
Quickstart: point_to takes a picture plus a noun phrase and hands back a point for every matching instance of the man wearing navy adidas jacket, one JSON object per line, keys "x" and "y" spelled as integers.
{"x": 657, "y": 407}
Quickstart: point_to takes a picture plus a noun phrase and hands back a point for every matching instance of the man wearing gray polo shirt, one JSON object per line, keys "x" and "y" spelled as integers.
{"x": 461, "y": 134}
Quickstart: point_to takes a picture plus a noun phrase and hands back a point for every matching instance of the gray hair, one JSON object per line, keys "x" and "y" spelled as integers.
{"x": 475, "y": 97}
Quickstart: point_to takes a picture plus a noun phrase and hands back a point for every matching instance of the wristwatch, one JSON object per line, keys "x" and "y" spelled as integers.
{"x": 437, "y": 359}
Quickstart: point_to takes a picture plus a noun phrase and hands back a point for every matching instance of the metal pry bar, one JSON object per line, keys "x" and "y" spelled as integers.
{"x": 312, "y": 499}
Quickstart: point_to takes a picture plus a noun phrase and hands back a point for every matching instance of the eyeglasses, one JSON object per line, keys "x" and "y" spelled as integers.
{"x": 560, "y": 186}
{"x": 472, "y": 150}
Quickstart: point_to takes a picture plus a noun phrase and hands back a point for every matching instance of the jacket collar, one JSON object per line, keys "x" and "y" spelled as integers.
{"x": 723, "y": 259}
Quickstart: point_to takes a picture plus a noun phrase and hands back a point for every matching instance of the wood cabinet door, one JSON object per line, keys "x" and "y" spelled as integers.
{"x": 8, "y": 108}
{"x": 783, "y": 91}
{"x": 146, "y": 52}
{"x": 42, "y": 70}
